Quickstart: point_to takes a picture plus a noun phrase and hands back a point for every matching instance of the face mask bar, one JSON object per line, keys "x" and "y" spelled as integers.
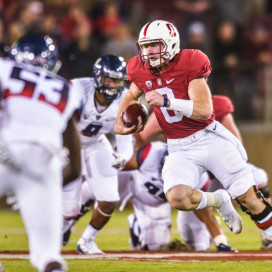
{"x": 147, "y": 57}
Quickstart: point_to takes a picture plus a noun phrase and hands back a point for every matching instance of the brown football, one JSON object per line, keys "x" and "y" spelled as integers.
{"x": 131, "y": 114}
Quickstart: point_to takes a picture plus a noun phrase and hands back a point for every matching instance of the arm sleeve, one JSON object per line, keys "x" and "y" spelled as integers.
{"x": 200, "y": 65}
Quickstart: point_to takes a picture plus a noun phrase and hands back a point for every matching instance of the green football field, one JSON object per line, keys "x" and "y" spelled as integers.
{"x": 114, "y": 237}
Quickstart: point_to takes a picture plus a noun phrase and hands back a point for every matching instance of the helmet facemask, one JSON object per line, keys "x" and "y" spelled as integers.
{"x": 153, "y": 59}
{"x": 105, "y": 87}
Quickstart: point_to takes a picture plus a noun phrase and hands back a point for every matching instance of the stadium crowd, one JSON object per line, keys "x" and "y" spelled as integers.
{"x": 236, "y": 36}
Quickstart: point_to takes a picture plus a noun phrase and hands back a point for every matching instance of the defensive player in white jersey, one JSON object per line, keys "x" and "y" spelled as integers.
{"x": 38, "y": 119}
{"x": 141, "y": 184}
{"x": 151, "y": 224}
{"x": 174, "y": 82}
{"x": 100, "y": 163}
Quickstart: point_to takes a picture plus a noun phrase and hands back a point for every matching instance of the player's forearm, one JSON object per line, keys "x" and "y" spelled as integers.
{"x": 202, "y": 110}
{"x": 200, "y": 94}
{"x": 71, "y": 141}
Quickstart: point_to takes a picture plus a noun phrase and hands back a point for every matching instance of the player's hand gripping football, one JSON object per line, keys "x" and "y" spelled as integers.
{"x": 119, "y": 127}
{"x": 153, "y": 98}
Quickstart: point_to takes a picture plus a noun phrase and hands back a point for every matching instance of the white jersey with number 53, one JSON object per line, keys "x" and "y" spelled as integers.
{"x": 36, "y": 104}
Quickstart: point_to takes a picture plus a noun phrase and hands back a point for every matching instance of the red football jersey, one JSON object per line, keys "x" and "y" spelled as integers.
{"x": 222, "y": 105}
{"x": 173, "y": 82}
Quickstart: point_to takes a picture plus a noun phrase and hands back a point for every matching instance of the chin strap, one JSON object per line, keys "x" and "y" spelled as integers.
{"x": 262, "y": 219}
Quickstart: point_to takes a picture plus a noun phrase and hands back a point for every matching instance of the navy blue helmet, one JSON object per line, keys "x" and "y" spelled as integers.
{"x": 108, "y": 69}
{"x": 36, "y": 49}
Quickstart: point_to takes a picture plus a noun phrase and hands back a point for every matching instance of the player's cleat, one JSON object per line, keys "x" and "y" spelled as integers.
{"x": 135, "y": 239}
{"x": 67, "y": 230}
{"x": 225, "y": 248}
{"x": 66, "y": 237}
{"x": 268, "y": 231}
{"x": 228, "y": 213}
{"x": 266, "y": 242}
{"x": 87, "y": 247}
{"x": 267, "y": 245}
{"x": 175, "y": 245}
{"x": 56, "y": 267}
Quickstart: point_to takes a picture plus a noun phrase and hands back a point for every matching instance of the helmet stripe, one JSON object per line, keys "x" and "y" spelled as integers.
{"x": 145, "y": 30}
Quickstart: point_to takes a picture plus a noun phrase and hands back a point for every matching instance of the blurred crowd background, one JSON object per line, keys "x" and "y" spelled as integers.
{"x": 235, "y": 34}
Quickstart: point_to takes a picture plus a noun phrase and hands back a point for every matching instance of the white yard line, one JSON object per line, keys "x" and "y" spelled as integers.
{"x": 149, "y": 256}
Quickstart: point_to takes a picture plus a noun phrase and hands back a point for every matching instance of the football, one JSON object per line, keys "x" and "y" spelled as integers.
{"x": 131, "y": 114}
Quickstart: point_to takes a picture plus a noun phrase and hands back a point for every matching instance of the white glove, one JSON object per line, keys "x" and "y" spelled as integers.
{"x": 119, "y": 162}
{"x": 11, "y": 200}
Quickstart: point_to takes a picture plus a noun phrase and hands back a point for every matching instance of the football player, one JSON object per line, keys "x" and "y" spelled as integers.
{"x": 38, "y": 120}
{"x": 174, "y": 82}
{"x": 197, "y": 231}
{"x": 100, "y": 162}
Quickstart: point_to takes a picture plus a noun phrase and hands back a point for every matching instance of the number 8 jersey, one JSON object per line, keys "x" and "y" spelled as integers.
{"x": 36, "y": 104}
{"x": 173, "y": 82}
{"x": 94, "y": 123}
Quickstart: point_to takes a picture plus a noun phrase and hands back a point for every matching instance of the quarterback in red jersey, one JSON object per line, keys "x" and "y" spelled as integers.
{"x": 175, "y": 85}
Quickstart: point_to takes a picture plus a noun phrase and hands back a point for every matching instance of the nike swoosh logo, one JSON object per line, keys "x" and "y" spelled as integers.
{"x": 169, "y": 81}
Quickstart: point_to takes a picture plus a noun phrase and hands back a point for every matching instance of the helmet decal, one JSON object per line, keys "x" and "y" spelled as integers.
{"x": 172, "y": 30}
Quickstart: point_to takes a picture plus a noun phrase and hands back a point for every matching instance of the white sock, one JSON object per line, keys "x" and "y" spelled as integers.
{"x": 203, "y": 203}
{"x": 220, "y": 239}
{"x": 208, "y": 200}
{"x": 89, "y": 233}
{"x": 213, "y": 200}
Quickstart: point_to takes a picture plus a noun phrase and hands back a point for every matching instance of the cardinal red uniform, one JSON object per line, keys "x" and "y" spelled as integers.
{"x": 194, "y": 144}
{"x": 173, "y": 82}
{"x": 182, "y": 131}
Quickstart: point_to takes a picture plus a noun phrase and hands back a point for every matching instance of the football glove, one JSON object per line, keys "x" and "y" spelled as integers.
{"x": 11, "y": 200}
{"x": 119, "y": 162}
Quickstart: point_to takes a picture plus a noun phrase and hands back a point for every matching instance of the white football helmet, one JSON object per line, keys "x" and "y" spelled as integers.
{"x": 158, "y": 31}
